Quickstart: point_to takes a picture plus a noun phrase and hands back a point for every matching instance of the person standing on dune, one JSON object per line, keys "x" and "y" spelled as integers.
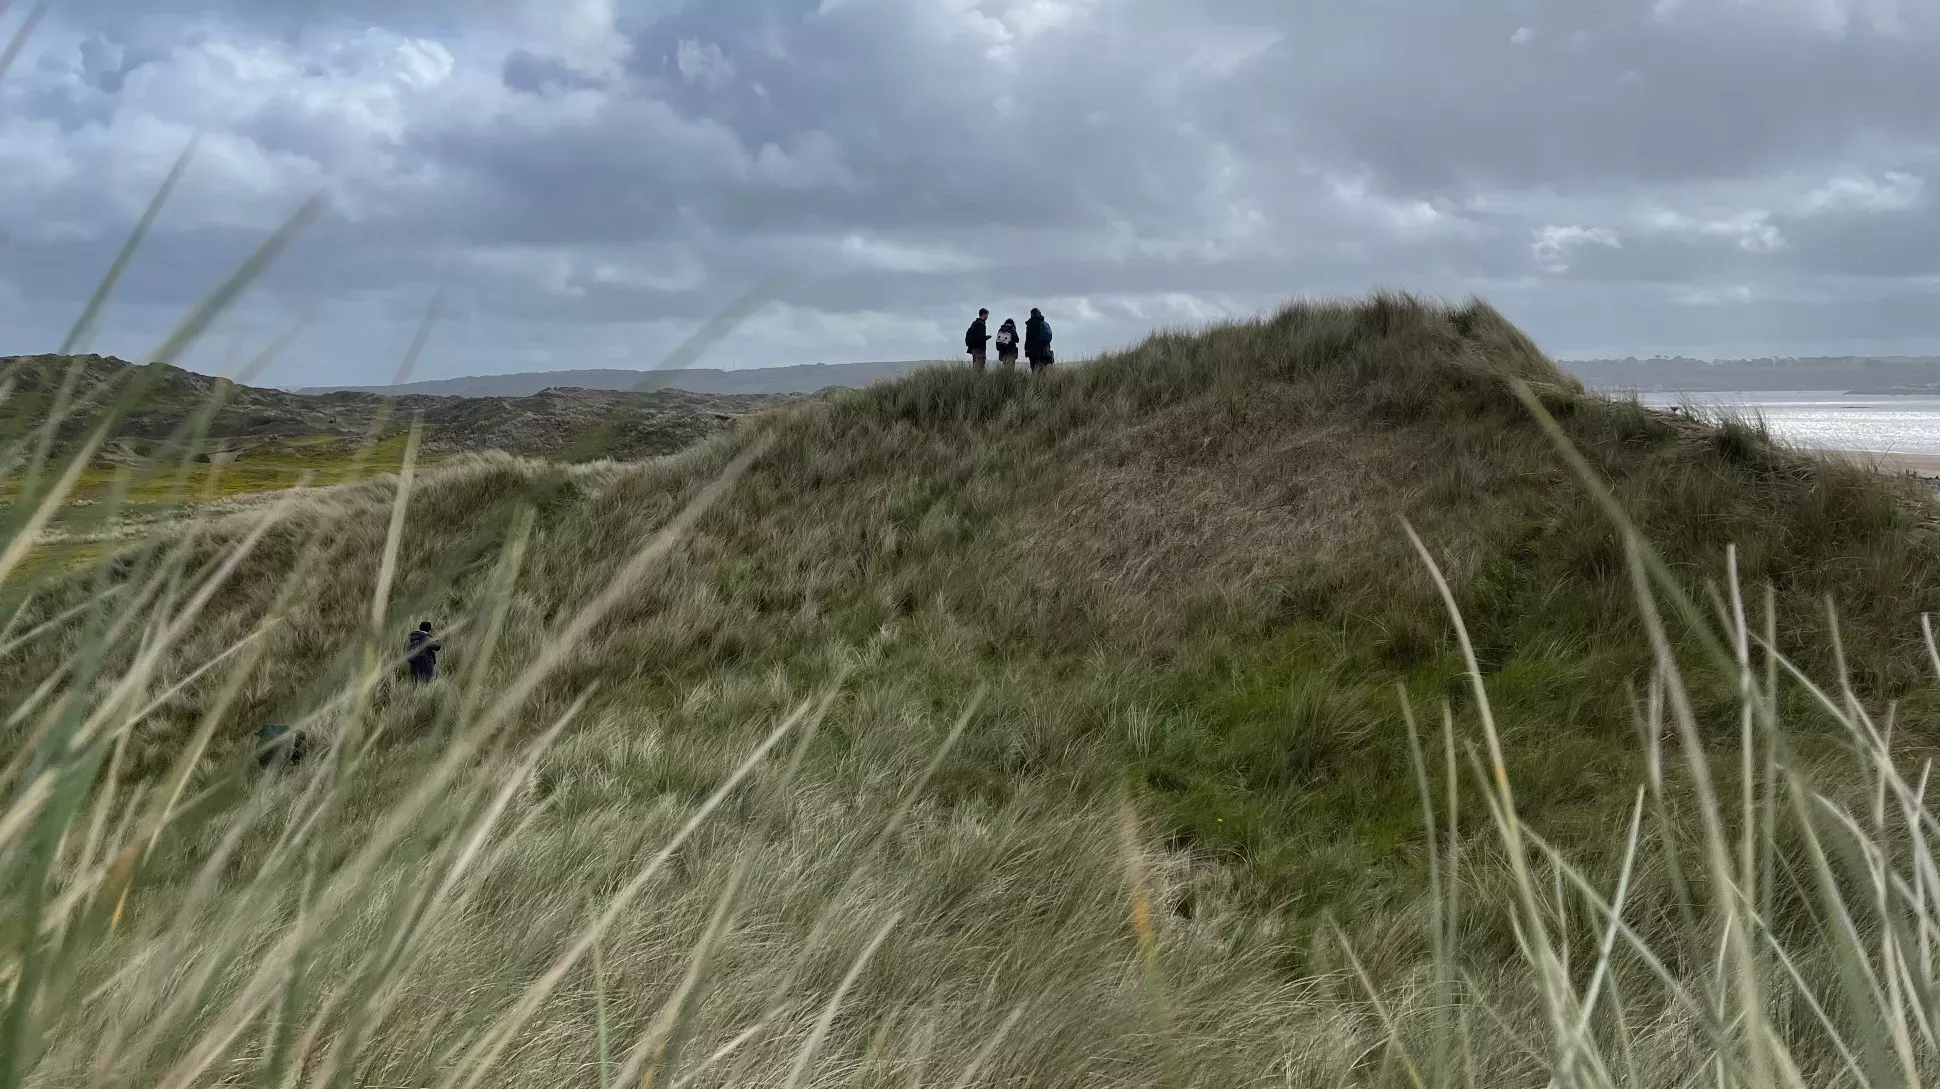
{"x": 1007, "y": 344}
{"x": 1037, "y": 341}
{"x": 976, "y": 340}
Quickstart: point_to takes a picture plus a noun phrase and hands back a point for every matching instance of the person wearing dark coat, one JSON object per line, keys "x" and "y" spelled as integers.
{"x": 422, "y": 653}
{"x": 276, "y": 744}
{"x": 976, "y": 340}
{"x": 1008, "y": 343}
{"x": 1037, "y": 341}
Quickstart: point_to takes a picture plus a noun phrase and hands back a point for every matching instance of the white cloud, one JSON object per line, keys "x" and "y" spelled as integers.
{"x": 1750, "y": 230}
{"x": 1833, "y": 17}
{"x": 683, "y": 274}
{"x": 1197, "y": 308}
{"x": 886, "y": 255}
{"x": 585, "y": 33}
{"x": 1220, "y": 56}
{"x": 1175, "y": 308}
{"x": 852, "y": 335}
{"x": 814, "y": 162}
{"x": 548, "y": 270}
{"x": 1401, "y": 216}
{"x": 1726, "y": 295}
{"x": 1893, "y": 191}
{"x": 703, "y": 64}
{"x": 279, "y": 120}
{"x": 55, "y": 185}
{"x": 1554, "y": 244}
{"x": 1523, "y": 35}
{"x": 1032, "y": 17}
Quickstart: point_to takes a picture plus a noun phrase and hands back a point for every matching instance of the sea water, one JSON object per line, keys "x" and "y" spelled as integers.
{"x": 1826, "y": 420}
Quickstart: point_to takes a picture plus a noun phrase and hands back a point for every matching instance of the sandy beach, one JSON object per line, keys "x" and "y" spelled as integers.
{"x": 1923, "y": 464}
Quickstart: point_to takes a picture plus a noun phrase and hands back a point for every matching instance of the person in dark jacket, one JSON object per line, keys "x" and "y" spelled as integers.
{"x": 276, "y": 744}
{"x": 976, "y": 339}
{"x": 422, "y": 654}
{"x": 1037, "y": 341}
{"x": 1008, "y": 344}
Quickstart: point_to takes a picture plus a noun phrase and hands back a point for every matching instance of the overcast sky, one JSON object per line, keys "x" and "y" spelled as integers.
{"x": 595, "y": 178}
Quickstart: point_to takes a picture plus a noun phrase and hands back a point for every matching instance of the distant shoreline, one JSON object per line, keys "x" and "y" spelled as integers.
{"x": 1773, "y": 391}
{"x": 1861, "y": 375}
{"x": 1927, "y": 465}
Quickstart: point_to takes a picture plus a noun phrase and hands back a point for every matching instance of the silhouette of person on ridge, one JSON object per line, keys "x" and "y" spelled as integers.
{"x": 1037, "y": 341}
{"x": 1007, "y": 343}
{"x": 976, "y": 340}
{"x": 422, "y": 653}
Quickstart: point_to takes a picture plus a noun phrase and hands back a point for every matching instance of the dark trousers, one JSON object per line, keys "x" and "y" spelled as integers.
{"x": 421, "y": 671}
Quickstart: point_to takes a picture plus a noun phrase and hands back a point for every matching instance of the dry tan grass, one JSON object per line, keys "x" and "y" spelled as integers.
{"x": 1217, "y": 494}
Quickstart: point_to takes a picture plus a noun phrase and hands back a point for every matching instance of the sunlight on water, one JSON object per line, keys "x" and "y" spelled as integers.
{"x": 1834, "y": 421}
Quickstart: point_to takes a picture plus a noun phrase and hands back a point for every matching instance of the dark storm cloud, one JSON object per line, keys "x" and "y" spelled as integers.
{"x": 596, "y": 173}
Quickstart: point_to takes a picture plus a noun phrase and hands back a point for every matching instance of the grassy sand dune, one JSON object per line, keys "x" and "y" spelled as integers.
{"x": 254, "y": 443}
{"x": 1088, "y": 756}
{"x": 273, "y": 429}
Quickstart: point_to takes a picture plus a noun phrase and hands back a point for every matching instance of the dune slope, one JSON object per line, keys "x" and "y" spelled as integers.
{"x": 1174, "y": 594}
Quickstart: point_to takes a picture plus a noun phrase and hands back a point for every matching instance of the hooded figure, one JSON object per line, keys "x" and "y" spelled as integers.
{"x": 1037, "y": 341}
{"x": 276, "y": 744}
{"x": 1008, "y": 343}
{"x": 422, "y": 654}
